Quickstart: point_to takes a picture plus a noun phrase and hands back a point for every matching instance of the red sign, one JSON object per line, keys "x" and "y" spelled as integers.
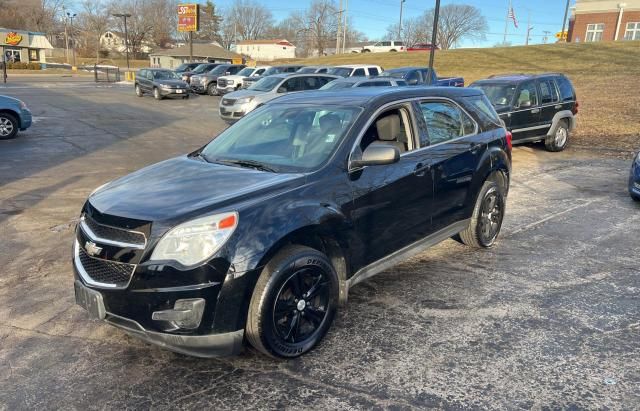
{"x": 13, "y": 38}
{"x": 188, "y": 17}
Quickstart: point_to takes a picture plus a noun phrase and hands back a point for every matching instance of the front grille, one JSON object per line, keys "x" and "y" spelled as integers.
{"x": 113, "y": 233}
{"x": 222, "y": 83}
{"x": 106, "y": 272}
{"x": 228, "y": 102}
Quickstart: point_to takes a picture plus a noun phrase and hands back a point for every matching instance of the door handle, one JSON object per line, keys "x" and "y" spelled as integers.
{"x": 421, "y": 169}
{"x": 558, "y": 106}
{"x": 535, "y": 111}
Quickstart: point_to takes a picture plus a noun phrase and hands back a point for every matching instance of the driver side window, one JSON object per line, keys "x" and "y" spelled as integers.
{"x": 392, "y": 127}
{"x": 527, "y": 92}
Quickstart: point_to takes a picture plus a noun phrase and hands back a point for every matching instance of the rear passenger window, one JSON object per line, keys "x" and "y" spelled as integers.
{"x": 445, "y": 121}
{"x": 548, "y": 93}
{"x": 566, "y": 89}
{"x": 373, "y": 71}
{"x": 358, "y": 72}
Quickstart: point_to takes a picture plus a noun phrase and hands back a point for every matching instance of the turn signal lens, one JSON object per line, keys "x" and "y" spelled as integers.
{"x": 509, "y": 140}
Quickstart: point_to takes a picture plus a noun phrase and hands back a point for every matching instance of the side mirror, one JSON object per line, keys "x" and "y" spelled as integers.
{"x": 377, "y": 155}
{"x": 227, "y": 73}
{"x": 412, "y": 82}
{"x": 525, "y": 104}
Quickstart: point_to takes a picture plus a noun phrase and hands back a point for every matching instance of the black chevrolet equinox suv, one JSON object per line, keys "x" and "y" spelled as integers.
{"x": 260, "y": 234}
{"x": 541, "y": 107}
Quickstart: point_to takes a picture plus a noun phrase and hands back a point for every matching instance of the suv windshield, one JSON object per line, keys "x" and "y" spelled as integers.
{"x": 246, "y": 72}
{"x": 219, "y": 70}
{"x": 340, "y": 71}
{"x": 265, "y": 84}
{"x": 202, "y": 68}
{"x": 165, "y": 75}
{"x": 283, "y": 138}
{"x": 498, "y": 94}
{"x": 272, "y": 70}
{"x": 335, "y": 85}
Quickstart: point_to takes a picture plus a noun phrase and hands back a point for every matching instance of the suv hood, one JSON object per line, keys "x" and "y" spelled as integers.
{"x": 175, "y": 188}
{"x": 244, "y": 93}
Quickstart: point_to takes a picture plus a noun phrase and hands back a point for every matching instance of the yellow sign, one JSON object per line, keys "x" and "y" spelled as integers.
{"x": 188, "y": 17}
{"x": 236, "y": 60}
{"x": 13, "y": 38}
{"x": 562, "y": 35}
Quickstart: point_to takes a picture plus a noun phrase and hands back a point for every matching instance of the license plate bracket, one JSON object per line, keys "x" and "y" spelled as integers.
{"x": 179, "y": 91}
{"x": 90, "y": 300}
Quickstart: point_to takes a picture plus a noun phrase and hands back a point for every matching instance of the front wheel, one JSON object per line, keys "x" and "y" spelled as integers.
{"x": 138, "y": 91}
{"x": 293, "y": 304}
{"x": 8, "y": 126}
{"x": 487, "y": 217}
{"x": 211, "y": 90}
{"x": 156, "y": 94}
{"x": 558, "y": 141}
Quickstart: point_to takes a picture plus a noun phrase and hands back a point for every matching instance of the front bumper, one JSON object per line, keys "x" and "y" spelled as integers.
{"x": 225, "y": 90}
{"x": 25, "y": 119}
{"x": 234, "y": 112}
{"x": 173, "y": 92}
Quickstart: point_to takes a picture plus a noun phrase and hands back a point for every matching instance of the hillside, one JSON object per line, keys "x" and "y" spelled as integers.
{"x": 606, "y": 77}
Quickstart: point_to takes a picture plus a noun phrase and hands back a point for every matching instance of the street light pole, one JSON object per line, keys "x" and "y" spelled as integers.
{"x": 564, "y": 20}
{"x": 434, "y": 39}
{"x": 73, "y": 43}
{"x": 400, "y": 23}
{"x": 126, "y": 34}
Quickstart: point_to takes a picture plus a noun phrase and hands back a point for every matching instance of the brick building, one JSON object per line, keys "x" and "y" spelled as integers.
{"x": 604, "y": 20}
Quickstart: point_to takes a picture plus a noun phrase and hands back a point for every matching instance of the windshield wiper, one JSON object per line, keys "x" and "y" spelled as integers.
{"x": 246, "y": 163}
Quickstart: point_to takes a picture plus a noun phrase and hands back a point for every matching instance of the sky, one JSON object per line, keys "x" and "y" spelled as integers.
{"x": 373, "y": 16}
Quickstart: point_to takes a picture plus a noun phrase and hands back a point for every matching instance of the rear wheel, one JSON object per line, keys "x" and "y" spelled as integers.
{"x": 293, "y": 304}
{"x": 558, "y": 141}
{"x": 487, "y": 217}
{"x": 8, "y": 126}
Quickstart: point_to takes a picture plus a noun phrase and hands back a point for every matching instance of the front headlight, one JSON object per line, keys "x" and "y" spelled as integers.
{"x": 197, "y": 240}
{"x": 244, "y": 100}
{"x": 230, "y": 82}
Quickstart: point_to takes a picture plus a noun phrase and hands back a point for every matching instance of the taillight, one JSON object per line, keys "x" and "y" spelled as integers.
{"x": 509, "y": 138}
{"x": 575, "y": 108}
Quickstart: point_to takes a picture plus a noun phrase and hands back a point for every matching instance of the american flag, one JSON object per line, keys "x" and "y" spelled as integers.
{"x": 512, "y": 16}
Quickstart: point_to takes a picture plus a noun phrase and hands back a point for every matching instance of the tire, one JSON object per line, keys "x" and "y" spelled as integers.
{"x": 8, "y": 126}
{"x": 560, "y": 139}
{"x": 635, "y": 197}
{"x": 185, "y": 97}
{"x": 488, "y": 214}
{"x": 212, "y": 90}
{"x": 297, "y": 325}
{"x": 366, "y": 51}
{"x": 156, "y": 93}
{"x": 139, "y": 92}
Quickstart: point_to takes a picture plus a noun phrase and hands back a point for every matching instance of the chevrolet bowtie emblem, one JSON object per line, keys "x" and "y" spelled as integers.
{"x": 91, "y": 248}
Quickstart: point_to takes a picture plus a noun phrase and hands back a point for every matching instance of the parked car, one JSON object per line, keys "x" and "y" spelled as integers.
{"x": 261, "y": 233}
{"x": 355, "y": 70}
{"x": 14, "y": 116}
{"x": 540, "y": 107}
{"x": 287, "y": 68}
{"x": 184, "y": 67}
{"x": 200, "y": 69}
{"x": 362, "y": 82}
{"x": 421, "y": 76}
{"x": 384, "y": 46}
{"x": 313, "y": 69}
{"x": 160, "y": 83}
{"x": 227, "y": 84}
{"x": 208, "y": 82}
{"x": 235, "y": 105}
{"x": 422, "y": 47}
{"x": 634, "y": 178}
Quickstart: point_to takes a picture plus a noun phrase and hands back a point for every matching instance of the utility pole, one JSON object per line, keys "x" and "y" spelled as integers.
{"x": 339, "y": 27}
{"x": 66, "y": 42}
{"x": 546, "y": 36}
{"x": 564, "y": 20}
{"x": 529, "y": 28}
{"x": 126, "y": 34}
{"x": 434, "y": 39}
{"x": 346, "y": 23}
{"x": 400, "y": 23}
{"x": 71, "y": 16}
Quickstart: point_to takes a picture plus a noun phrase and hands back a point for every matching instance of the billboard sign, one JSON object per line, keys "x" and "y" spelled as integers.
{"x": 188, "y": 17}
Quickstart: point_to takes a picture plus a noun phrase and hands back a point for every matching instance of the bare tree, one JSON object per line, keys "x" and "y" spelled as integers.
{"x": 35, "y": 15}
{"x": 227, "y": 34}
{"x": 140, "y": 25}
{"x": 93, "y": 21}
{"x": 414, "y": 30}
{"x": 458, "y": 22}
{"x": 251, "y": 20}
{"x": 318, "y": 24}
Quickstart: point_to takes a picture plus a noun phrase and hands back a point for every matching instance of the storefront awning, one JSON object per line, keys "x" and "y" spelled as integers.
{"x": 39, "y": 41}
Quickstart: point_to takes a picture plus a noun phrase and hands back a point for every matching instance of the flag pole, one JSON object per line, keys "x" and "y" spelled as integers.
{"x": 506, "y": 24}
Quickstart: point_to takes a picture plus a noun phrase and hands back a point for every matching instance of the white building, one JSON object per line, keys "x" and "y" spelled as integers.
{"x": 114, "y": 41}
{"x": 266, "y": 50}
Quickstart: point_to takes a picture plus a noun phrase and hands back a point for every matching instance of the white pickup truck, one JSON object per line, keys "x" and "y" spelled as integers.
{"x": 227, "y": 84}
{"x": 384, "y": 46}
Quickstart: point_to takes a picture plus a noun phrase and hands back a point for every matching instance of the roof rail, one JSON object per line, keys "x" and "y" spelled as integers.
{"x": 508, "y": 75}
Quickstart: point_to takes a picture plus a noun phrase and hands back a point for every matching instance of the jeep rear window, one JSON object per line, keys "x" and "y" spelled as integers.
{"x": 498, "y": 94}
{"x": 284, "y": 138}
{"x": 566, "y": 89}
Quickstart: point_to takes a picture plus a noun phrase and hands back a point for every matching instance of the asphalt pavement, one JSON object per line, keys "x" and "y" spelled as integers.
{"x": 547, "y": 319}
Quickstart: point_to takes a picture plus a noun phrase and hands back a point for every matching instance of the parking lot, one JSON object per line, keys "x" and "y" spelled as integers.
{"x": 548, "y": 318}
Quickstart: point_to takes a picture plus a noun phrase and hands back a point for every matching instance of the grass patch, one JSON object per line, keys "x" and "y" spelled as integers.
{"x": 606, "y": 77}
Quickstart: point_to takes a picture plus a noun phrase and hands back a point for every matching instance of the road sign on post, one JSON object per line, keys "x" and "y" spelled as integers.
{"x": 562, "y": 35}
{"x": 188, "y": 22}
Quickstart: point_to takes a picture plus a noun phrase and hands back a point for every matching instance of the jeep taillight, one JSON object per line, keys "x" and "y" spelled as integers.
{"x": 575, "y": 108}
{"x": 509, "y": 138}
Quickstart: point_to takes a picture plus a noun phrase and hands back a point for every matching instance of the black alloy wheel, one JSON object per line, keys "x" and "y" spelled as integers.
{"x": 491, "y": 216}
{"x": 293, "y": 303}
